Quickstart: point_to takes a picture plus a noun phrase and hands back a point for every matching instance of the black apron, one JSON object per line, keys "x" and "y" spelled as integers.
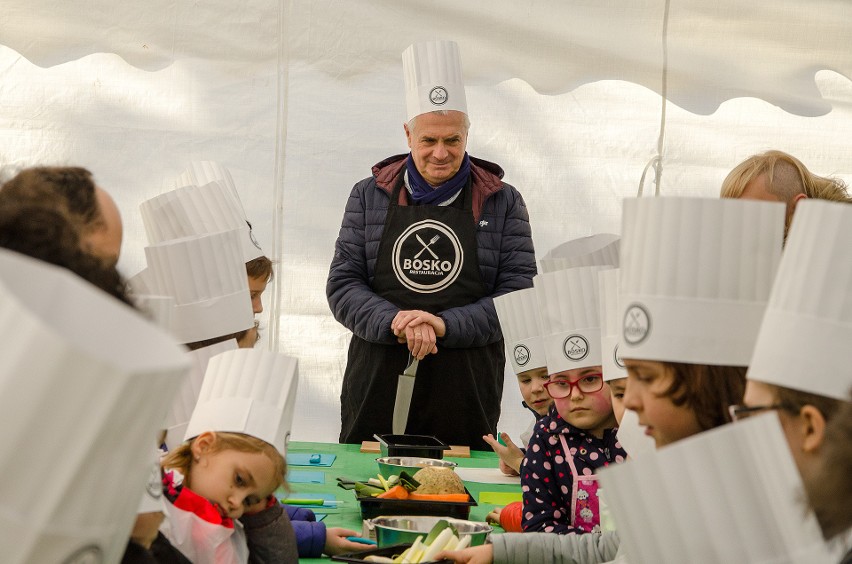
{"x": 427, "y": 260}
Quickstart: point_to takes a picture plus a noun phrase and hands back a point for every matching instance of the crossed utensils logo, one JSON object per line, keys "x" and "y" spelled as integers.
{"x": 637, "y": 324}
{"x": 575, "y": 347}
{"x": 522, "y": 355}
{"x": 427, "y": 256}
{"x": 438, "y": 96}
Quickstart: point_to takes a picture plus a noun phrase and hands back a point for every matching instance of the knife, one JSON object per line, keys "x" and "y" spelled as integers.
{"x": 402, "y": 404}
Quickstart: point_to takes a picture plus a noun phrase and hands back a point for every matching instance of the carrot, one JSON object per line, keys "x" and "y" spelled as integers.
{"x": 439, "y": 497}
{"x": 396, "y": 492}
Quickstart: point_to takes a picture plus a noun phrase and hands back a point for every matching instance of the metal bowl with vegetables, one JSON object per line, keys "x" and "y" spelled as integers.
{"x": 393, "y": 465}
{"x": 407, "y": 528}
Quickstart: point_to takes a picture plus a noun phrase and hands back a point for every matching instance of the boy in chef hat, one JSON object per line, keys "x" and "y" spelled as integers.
{"x": 205, "y": 200}
{"x": 695, "y": 278}
{"x": 800, "y": 365}
{"x": 219, "y": 483}
{"x": 521, "y": 325}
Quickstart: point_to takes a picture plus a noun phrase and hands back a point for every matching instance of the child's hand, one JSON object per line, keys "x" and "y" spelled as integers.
{"x": 510, "y": 455}
{"x": 482, "y": 554}
{"x": 493, "y": 518}
{"x": 336, "y": 543}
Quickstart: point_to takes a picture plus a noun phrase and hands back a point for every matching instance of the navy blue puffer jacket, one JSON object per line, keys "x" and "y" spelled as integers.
{"x": 505, "y": 252}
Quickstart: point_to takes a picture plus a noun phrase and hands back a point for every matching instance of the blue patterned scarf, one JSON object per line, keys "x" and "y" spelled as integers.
{"x": 424, "y": 193}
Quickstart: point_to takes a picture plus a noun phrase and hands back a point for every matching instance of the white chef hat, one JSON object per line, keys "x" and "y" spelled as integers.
{"x": 570, "y": 317}
{"x": 731, "y": 494}
{"x": 433, "y": 78}
{"x": 601, "y": 249}
{"x": 186, "y": 397}
{"x": 248, "y": 391}
{"x": 613, "y": 367}
{"x": 82, "y": 387}
{"x": 695, "y": 277}
{"x": 804, "y": 341}
{"x": 197, "y": 209}
{"x": 521, "y": 324}
{"x": 157, "y": 309}
{"x": 206, "y": 276}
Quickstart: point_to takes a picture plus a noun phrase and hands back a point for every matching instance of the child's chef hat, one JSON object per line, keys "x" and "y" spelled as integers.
{"x": 206, "y": 276}
{"x": 157, "y": 309}
{"x": 521, "y": 324}
{"x": 433, "y": 78}
{"x": 804, "y": 341}
{"x": 248, "y": 391}
{"x": 186, "y": 397}
{"x": 731, "y": 494}
{"x": 570, "y": 317}
{"x": 601, "y": 249}
{"x": 613, "y": 367}
{"x": 197, "y": 209}
{"x": 695, "y": 277}
{"x": 83, "y": 387}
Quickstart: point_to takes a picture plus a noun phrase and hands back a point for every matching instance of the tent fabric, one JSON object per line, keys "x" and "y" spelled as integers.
{"x": 298, "y": 99}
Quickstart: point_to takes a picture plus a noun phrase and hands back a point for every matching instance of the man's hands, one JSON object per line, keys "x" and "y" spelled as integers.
{"x": 420, "y": 329}
{"x": 510, "y": 455}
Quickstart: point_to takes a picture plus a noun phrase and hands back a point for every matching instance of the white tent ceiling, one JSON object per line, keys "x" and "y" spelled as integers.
{"x": 299, "y": 98}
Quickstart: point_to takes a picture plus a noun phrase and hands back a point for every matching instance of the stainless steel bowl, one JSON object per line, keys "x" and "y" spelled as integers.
{"x": 393, "y": 465}
{"x": 394, "y": 530}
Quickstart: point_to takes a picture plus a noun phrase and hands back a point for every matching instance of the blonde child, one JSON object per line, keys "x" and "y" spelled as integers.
{"x": 219, "y": 482}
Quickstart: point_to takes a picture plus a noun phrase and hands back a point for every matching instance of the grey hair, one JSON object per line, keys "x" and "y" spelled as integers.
{"x": 410, "y": 123}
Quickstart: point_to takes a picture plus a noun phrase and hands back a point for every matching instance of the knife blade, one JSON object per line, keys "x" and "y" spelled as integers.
{"x": 402, "y": 403}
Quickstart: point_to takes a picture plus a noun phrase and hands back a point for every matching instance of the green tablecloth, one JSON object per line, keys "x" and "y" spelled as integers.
{"x": 360, "y": 466}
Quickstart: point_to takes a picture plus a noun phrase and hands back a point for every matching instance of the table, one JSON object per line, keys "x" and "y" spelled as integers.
{"x": 352, "y": 463}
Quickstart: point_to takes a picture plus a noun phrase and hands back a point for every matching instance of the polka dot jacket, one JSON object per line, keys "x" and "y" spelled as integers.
{"x": 546, "y": 478}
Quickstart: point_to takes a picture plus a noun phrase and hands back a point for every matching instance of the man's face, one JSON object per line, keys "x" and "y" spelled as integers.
{"x": 104, "y": 241}
{"x": 437, "y": 144}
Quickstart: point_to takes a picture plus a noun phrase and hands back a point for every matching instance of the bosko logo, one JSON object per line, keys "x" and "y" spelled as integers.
{"x": 575, "y": 347}
{"x": 427, "y": 257}
{"x": 522, "y": 355}
{"x": 637, "y": 324}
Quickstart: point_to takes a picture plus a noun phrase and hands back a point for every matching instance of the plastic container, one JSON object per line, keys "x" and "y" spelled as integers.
{"x": 423, "y": 446}
{"x": 406, "y": 528}
{"x": 375, "y": 507}
{"x": 388, "y": 551}
{"x": 393, "y": 465}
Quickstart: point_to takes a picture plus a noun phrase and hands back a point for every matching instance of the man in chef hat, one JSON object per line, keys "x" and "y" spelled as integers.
{"x": 775, "y": 176}
{"x": 800, "y": 365}
{"x": 426, "y": 242}
{"x": 72, "y": 191}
